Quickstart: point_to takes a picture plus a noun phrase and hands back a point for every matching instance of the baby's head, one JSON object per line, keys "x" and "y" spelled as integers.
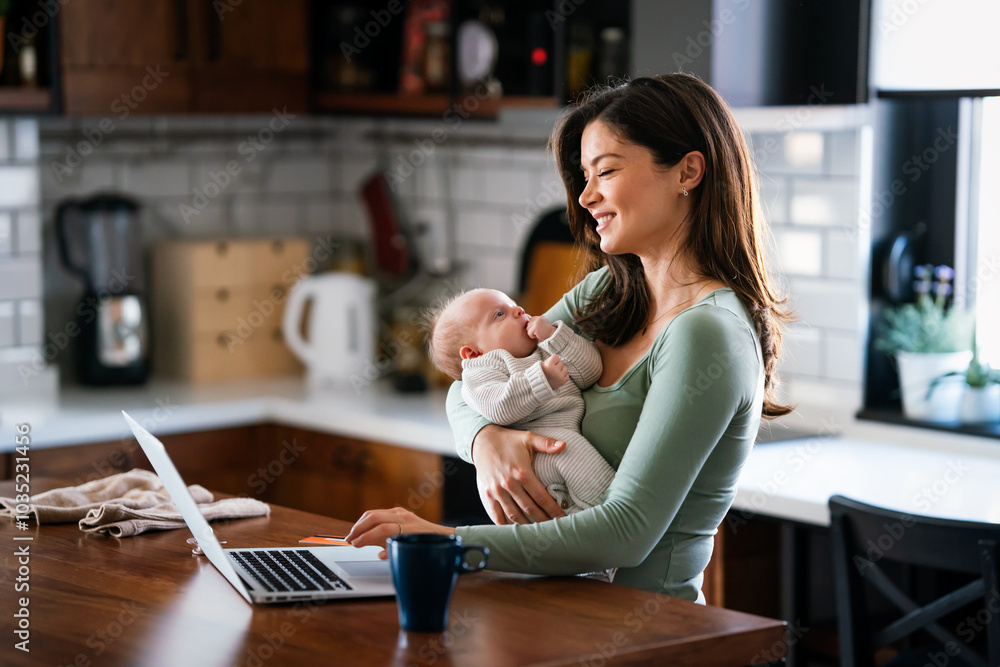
{"x": 474, "y": 323}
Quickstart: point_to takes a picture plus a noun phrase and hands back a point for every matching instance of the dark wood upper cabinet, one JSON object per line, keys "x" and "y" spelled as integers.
{"x": 249, "y": 57}
{"x": 173, "y": 56}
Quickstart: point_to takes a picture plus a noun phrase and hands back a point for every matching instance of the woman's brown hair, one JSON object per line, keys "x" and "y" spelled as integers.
{"x": 673, "y": 115}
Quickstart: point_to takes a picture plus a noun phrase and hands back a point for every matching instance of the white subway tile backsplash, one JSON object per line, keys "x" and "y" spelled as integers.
{"x": 801, "y": 351}
{"x": 493, "y": 271}
{"x": 844, "y": 357}
{"x": 503, "y": 186}
{"x": 6, "y": 233}
{"x": 20, "y": 186}
{"x": 800, "y": 252}
{"x": 30, "y": 322}
{"x": 772, "y": 154}
{"x": 29, "y": 232}
{"x": 320, "y": 215}
{"x": 89, "y": 177}
{"x": 774, "y": 198}
{"x": 467, "y": 185}
{"x": 804, "y": 150}
{"x": 300, "y": 174}
{"x": 26, "y": 139}
{"x": 431, "y": 179}
{"x": 165, "y": 178}
{"x": 7, "y": 324}
{"x": 832, "y": 202}
{"x": 843, "y": 259}
{"x": 842, "y": 153}
{"x": 826, "y": 304}
{"x": 21, "y": 278}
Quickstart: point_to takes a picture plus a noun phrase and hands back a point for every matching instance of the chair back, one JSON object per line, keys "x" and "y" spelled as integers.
{"x": 865, "y": 535}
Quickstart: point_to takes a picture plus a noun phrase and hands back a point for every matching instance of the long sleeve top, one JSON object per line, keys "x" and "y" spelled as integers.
{"x": 677, "y": 427}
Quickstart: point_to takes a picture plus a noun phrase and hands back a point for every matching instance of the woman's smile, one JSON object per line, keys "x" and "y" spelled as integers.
{"x": 602, "y": 220}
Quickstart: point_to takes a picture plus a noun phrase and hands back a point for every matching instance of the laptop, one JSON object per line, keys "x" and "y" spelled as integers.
{"x": 273, "y": 575}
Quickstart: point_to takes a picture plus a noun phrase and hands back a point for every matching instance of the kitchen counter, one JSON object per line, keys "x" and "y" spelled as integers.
{"x": 375, "y": 412}
{"x": 800, "y": 460}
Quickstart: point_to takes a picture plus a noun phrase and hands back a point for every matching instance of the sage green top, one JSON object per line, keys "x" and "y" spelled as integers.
{"x": 677, "y": 427}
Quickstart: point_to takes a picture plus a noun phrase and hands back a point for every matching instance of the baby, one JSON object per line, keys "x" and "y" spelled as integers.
{"x": 525, "y": 373}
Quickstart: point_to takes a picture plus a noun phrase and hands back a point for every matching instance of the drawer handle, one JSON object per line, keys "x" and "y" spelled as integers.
{"x": 221, "y": 248}
{"x": 223, "y": 339}
{"x": 278, "y": 335}
{"x": 277, "y": 292}
{"x": 222, "y": 294}
{"x": 277, "y": 246}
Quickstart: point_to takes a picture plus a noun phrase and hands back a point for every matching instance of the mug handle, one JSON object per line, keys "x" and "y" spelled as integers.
{"x": 463, "y": 563}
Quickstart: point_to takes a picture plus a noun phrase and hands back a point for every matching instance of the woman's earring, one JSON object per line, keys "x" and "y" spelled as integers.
{"x": 684, "y": 190}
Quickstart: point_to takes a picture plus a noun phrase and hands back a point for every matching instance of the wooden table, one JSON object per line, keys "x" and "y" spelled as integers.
{"x": 146, "y": 600}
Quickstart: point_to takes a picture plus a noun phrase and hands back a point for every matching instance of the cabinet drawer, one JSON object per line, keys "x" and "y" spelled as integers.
{"x": 220, "y": 308}
{"x": 222, "y": 263}
{"x": 280, "y": 262}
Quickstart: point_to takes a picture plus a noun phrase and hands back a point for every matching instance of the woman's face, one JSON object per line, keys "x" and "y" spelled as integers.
{"x": 636, "y": 205}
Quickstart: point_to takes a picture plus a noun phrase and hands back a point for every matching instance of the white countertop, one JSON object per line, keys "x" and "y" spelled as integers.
{"x": 910, "y": 469}
{"x": 795, "y": 478}
{"x": 376, "y": 412}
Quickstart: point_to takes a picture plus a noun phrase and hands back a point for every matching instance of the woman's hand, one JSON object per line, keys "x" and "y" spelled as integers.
{"x": 508, "y": 487}
{"x": 375, "y": 526}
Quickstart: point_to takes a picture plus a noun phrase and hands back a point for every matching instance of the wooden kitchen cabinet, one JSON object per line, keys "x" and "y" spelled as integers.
{"x": 218, "y": 307}
{"x": 220, "y": 459}
{"x": 252, "y": 56}
{"x": 316, "y": 472}
{"x": 173, "y": 56}
{"x": 120, "y": 57}
{"x": 343, "y": 477}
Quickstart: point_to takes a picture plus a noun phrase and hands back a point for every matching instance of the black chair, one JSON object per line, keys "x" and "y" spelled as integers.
{"x": 864, "y": 536}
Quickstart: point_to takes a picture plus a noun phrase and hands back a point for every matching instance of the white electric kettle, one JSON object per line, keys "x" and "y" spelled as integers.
{"x": 338, "y": 348}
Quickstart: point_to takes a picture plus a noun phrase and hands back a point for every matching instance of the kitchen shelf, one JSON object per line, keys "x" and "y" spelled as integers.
{"x": 25, "y": 99}
{"x": 421, "y": 105}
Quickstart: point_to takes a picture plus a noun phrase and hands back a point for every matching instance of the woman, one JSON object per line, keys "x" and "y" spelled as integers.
{"x": 661, "y": 193}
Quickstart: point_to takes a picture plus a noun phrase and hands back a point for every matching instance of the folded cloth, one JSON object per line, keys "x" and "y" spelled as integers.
{"x": 136, "y": 498}
{"x": 121, "y": 521}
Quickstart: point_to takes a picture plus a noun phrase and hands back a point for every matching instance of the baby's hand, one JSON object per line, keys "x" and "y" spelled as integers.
{"x": 540, "y": 328}
{"x": 555, "y": 372}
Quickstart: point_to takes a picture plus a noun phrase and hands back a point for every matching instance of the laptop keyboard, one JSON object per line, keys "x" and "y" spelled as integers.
{"x": 289, "y": 571}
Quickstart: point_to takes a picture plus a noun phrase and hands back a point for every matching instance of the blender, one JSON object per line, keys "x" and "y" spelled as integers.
{"x": 100, "y": 241}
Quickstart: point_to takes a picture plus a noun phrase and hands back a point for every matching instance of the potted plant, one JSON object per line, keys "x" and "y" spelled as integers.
{"x": 928, "y": 339}
{"x": 981, "y": 397}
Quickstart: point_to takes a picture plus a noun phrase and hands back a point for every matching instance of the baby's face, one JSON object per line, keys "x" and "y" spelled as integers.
{"x": 499, "y": 323}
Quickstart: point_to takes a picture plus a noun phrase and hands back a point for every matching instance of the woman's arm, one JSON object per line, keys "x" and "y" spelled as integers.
{"x": 682, "y": 419}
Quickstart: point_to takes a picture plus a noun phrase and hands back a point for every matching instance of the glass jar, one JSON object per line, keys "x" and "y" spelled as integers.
{"x": 437, "y": 56}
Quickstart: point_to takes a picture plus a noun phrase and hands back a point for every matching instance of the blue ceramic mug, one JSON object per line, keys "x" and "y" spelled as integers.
{"x": 425, "y": 567}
